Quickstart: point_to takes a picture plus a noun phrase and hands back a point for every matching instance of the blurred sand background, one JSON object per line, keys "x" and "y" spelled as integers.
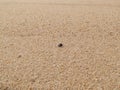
{"x": 30, "y": 31}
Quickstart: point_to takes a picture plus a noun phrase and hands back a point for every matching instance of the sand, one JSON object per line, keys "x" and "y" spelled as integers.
{"x": 31, "y": 30}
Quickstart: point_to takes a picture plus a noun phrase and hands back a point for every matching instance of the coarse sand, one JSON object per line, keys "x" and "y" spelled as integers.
{"x": 59, "y": 44}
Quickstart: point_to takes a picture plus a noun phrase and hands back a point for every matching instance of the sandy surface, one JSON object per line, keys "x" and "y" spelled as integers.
{"x": 30, "y": 31}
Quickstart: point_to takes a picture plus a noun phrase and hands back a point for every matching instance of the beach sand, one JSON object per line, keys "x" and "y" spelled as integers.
{"x": 30, "y": 55}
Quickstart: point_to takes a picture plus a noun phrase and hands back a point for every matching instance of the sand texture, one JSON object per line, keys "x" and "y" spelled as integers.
{"x": 30, "y": 31}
